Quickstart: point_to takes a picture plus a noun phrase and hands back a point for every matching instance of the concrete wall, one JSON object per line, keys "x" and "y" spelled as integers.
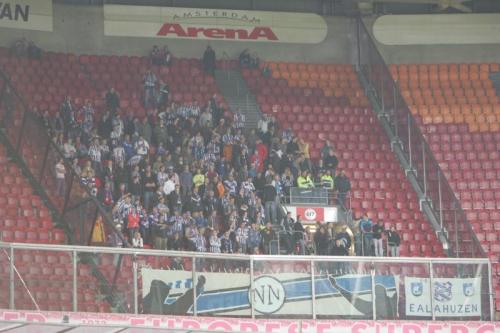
{"x": 428, "y": 54}
{"x": 80, "y": 29}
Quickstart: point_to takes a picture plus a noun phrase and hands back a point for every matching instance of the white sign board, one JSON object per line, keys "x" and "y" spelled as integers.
{"x": 452, "y": 297}
{"x": 26, "y": 14}
{"x": 438, "y": 29}
{"x": 213, "y": 24}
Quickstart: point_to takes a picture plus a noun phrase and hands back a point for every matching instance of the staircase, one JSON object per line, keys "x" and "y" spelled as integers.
{"x": 237, "y": 95}
{"x": 495, "y": 78}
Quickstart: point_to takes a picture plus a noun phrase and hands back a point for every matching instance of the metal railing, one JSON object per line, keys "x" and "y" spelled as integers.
{"x": 318, "y": 195}
{"x": 28, "y": 136}
{"x": 315, "y": 274}
{"x": 453, "y": 223}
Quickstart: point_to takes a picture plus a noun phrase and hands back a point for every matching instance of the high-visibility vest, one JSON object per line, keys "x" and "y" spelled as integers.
{"x": 301, "y": 182}
{"x": 327, "y": 181}
{"x": 305, "y": 182}
{"x": 198, "y": 180}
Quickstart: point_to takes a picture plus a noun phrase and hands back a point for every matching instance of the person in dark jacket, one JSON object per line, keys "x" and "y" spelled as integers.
{"x": 378, "y": 231}
{"x": 330, "y": 162}
{"x": 227, "y": 243}
{"x": 112, "y": 100}
{"x": 393, "y": 241}
{"x": 268, "y": 235}
{"x": 298, "y": 236}
{"x": 366, "y": 229}
{"x": 270, "y": 206}
{"x": 321, "y": 241}
{"x": 343, "y": 186}
{"x": 339, "y": 248}
{"x": 176, "y": 243}
{"x": 209, "y": 60}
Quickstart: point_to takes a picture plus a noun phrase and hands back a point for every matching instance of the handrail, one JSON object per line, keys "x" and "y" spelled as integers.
{"x": 254, "y": 266}
{"x": 416, "y": 133}
{"x": 135, "y": 251}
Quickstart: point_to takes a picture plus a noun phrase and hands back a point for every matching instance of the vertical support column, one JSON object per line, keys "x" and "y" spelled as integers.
{"x": 136, "y": 293}
{"x": 358, "y": 40}
{"x": 490, "y": 293}
{"x": 425, "y": 170}
{"x": 440, "y": 201}
{"x": 382, "y": 94}
{"x": 12, "y": 304}
{"x": 457, "y": 246}
{"x": 409, "y": 141}
{"x": 313, "y": 290}
{"x": 431, "y": 277}
{"x": 252, "y": 308}
{"x": 75, "y": 281}
{"x": 395, "y": 120}
{"x": 374, "y": 304}
{"x": 195, "y": 310}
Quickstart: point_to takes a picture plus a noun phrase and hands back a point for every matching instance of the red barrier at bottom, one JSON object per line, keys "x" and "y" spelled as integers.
{"x": 249, "y": 325}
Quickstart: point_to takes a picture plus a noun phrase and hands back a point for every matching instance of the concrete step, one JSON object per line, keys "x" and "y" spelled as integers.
{"x": 233, "y": 87}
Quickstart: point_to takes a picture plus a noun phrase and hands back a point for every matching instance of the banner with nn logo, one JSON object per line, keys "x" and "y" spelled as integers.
{"x": 171, "y": 292}
{"x": 452, "y": 297}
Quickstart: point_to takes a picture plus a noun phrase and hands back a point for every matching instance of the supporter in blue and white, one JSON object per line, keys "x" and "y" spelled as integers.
{"x": 215, "y": 242}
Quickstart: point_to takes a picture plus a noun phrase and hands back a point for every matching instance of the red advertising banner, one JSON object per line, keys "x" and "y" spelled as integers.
{"x": 311, "y": 214}
{"x": 248, "y": 325}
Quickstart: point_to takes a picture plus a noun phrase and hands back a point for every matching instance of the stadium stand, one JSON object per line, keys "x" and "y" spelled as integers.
{"x": 325, "y": 102}
{"x": 303, "y": 98}
{"x": 459, "y": 112}
{"x": 305, "y": 94}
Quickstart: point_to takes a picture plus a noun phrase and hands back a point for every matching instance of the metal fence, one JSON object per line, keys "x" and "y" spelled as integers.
{"x": 27, "y": 136}
{"x": 392, "y": 106}
{"x": 305, "y": 286}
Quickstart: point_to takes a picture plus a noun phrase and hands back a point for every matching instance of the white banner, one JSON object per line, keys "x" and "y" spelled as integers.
{"x": 228, "y": 294}
{"x": 438, "y": 29}
{"x": 26, "y": 14}
{"x": 213, "y": 24}
{"x": 452, "y": 297}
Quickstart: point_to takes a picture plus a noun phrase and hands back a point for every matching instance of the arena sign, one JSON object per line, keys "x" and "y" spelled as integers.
{"x": 171, "y": 292}
{"x": 213, "y": 24}
{"x": 452, "y": 297}
{"x": 26, "y": 14}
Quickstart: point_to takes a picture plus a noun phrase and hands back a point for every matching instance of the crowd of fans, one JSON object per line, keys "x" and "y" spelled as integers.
{"x": 190, "y": 177}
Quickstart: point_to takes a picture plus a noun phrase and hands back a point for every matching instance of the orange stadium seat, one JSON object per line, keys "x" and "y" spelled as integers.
{"x": 462, "y": 94}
